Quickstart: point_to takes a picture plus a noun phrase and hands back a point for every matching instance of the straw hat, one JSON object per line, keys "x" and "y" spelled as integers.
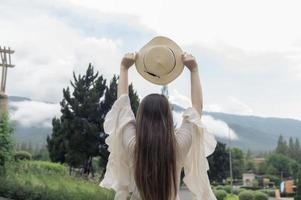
{"x": 160, "y": 61}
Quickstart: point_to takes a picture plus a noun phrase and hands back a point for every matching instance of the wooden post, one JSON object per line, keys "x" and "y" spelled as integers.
{"x": 5, "y": 62}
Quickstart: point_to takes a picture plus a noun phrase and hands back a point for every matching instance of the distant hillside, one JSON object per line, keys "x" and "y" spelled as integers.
{"x": 254, "y": 133}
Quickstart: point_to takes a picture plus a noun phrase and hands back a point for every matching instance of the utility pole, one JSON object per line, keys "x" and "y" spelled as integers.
{"x": 230, "y": 161}
{"x": 164, "y": 91}
{"x": 5, "y": 62}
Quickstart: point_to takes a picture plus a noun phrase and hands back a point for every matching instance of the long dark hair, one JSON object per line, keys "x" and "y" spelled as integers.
{"x": 155, "y": 150}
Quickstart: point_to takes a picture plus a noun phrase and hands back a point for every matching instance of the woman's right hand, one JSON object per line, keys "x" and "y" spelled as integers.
{"x": 190, "y": 62}
{"x": 128, "y": 60}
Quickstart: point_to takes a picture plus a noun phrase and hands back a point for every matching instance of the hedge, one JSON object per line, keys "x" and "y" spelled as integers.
{"x": 260, "y": 196}
{"x": 246, "y": 195}
{"x": 220, "y": 194}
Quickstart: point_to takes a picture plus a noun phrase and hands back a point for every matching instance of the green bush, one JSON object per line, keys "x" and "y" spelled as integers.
{"x": 220, "y": 194}
{"x": 246, "y": 195}
{"x": 269, "y": 192}
{"x": 237, "y": 191}
{"x": 227, "y": 188}
{"x": 260, "y": 196}
{"x": 39, "y": 167}
{"x": 22, "y": 155}
{"x": 231, "y": 197}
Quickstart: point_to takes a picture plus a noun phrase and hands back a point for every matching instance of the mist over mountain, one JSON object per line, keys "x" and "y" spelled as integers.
{"x": 32, "y": 123}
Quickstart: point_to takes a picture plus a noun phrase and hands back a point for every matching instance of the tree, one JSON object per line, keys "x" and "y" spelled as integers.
{"x": 282, "y": 164}
{"x": 56, "y": 144}
{"x": 249, "y": 163}
{"x": 219, "y": 163}
{"x": 238, "y": 162}
{"x": 282, "y": 147}
{"x": 106, "y": 105}
{"x": 6, "y": 141}
{"x": 78, "y": 135}
{"x": 298, "y": 191}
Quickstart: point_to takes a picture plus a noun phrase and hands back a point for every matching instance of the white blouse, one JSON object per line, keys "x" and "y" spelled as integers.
{"x": 195, "y": 144}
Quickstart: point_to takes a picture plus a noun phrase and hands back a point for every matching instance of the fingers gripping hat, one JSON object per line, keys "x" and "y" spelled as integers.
{"x": 160, "y": 61}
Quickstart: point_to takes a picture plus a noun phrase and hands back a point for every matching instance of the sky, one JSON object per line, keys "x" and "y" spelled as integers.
{"x": 248, "y": 52}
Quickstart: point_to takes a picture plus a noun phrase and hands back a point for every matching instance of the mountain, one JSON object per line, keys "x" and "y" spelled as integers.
{"x": 254, "y": 133}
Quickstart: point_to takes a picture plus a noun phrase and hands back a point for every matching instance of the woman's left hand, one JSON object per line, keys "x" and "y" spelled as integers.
{"x": 128, "y": 60}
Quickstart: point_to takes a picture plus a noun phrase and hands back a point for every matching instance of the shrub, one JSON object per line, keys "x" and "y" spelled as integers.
{"x": 246, "y": 195}
{"x": 227, "y": 188}
{"x": 269, "y": 192}
{"x": 220, "y": 194}
{"x": 40, "y": 167}
{"x": 22, "y": 155}
{"x": 237, "y": 191}
{"x": 260, "y": 196}
{"x": 231, "y": 197}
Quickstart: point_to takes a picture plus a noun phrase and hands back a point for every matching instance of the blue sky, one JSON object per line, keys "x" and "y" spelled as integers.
{"x": 249, "y": 52}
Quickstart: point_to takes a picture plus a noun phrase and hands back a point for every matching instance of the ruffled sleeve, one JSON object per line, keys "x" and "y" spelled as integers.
{"x": 118, "y": 175}
{"x": 196, "y": 164}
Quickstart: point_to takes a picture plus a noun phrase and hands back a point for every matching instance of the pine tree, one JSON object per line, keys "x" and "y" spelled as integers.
{"x": 56, "y": 144}
{"x": 282, "y": 147}
{"x": 78, "y": 135}
{"x": 291, "y": 148}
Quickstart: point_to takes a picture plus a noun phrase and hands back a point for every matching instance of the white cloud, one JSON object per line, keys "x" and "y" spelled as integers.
{"x": 47, "y": 55}
{"x": 176, "y": 98}
{"x": 34, "y": 113}
{"x": 217, "y": 127}
{"x": 230, "y": 105}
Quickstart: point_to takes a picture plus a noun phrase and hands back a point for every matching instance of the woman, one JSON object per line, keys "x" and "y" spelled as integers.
{"x": 147, "y": 154}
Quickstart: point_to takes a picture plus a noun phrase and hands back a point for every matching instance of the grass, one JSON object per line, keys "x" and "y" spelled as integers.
{"x": 44, "y": 180}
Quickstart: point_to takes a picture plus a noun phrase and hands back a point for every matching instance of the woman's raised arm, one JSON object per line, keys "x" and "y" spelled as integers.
{"x": 127, "y": 61}
{"x": 196, "y": 89}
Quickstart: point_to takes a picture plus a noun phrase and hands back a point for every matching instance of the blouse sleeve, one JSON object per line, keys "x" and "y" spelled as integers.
{"x": 120, "y": 125}
{"x": 202, "y": 144}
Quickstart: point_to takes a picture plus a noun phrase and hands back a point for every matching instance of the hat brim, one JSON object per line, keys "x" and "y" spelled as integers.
{"x": 177, "y": 70}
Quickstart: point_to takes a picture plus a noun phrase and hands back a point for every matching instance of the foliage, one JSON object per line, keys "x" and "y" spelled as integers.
{"x": 78, "y": 135}
{"x": 6, "y": 141}
{"x": 28, "y": 182}
{"x": 217, "y": 161}
{"x": 237, "y": 191}
{"x": 282, "y": 165}
{"x": 220, "y": 194}
{"x": 260, "y": 196}
{"x": 38, "y": 167}
{"x": 298, "y": 190}
{"x": 231, "y": 197}
{"x": 246, "y": 195}
{"x": 269, "y": 192}
{"x": 291, "y": 149}
{"x": 238, "y": 162}
{"x": 22, "y": 155}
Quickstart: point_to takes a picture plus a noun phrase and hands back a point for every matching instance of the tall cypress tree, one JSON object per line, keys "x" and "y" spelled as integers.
{"x": 282, "y": 147}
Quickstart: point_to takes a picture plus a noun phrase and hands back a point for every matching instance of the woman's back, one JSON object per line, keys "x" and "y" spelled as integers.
{"x": 147, "y": 154}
